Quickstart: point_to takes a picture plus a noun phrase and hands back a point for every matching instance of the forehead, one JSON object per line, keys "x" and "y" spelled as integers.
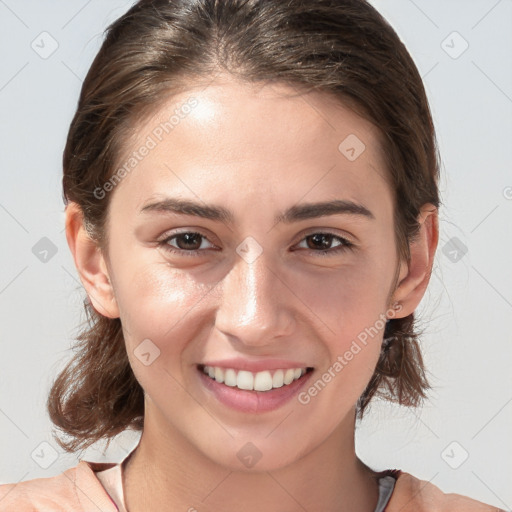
{"x": 252, "y": 139}
{"x": 252, "y": 113}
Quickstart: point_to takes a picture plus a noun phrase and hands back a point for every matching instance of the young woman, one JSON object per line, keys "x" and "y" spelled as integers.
{"x": 251, "y": 193}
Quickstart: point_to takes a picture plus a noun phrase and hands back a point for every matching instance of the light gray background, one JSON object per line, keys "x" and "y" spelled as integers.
{"x": 466, "y": 313}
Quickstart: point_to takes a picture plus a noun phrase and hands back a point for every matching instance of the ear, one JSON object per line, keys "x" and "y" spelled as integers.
{"x": 90, "y": 263}
{"x": 415, "y": 276}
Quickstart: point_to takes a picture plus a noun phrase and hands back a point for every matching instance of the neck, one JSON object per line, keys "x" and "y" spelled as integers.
{"x": 173, "y": 475}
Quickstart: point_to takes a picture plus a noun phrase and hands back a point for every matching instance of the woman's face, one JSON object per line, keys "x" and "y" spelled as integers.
{"x": 272, "y": 275}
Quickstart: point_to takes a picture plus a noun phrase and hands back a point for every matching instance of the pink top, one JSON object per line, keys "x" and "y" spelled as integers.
{"x": 112, "y": 481}
{"x": 98, "y": 487}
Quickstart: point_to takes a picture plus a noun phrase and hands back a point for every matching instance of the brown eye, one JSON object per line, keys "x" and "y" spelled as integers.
{"x": 187, "y": 243}
{"x": 320, "y": 241}
{"x": 321, "y": 244}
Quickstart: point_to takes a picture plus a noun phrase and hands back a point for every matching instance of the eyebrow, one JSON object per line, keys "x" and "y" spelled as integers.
{"x": 292, "y": 214}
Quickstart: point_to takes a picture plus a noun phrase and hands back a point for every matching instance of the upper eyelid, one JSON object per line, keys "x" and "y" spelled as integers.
{"x": 327, "y": 231}
{"x": 301, "y": 237}
{"x": 168, "y": 236}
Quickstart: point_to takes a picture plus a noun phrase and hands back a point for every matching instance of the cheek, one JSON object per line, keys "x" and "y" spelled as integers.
{"x": 155, "y": 301}
{"x": 356, "y": 317}
{"x": 351, "y": 305}
{"x": 348, "y": 299}
{"x": 157, "y": 305}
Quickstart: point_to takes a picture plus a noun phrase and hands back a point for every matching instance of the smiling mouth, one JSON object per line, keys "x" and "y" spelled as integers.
{"x": 254, "y": 381}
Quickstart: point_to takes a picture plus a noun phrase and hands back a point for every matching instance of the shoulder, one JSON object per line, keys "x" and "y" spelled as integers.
{"x": 75, "y": 490}
{"x": 414, "y": 495}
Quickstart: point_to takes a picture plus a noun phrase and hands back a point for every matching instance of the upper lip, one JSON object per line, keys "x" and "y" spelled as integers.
{"x": 239, "y": 363}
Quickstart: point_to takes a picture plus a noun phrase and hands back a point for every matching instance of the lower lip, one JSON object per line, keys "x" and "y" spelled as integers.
{"x": 253, "y": 401}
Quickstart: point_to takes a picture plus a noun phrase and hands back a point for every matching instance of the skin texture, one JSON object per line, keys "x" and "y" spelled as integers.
{"x": 256, "y": 150}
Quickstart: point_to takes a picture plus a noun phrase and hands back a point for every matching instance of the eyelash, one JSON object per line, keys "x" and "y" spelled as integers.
{"x": 345, "y": 245}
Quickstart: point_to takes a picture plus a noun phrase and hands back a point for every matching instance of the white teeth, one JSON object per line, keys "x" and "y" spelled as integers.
{"x": 289, "y": 375}
{"x": 263, "y": 381}
{"x": 219, "y": 375}
{"x": 260, "y": 381}
{"x": 278, "y": 379}
{"x": 245, "y": 380}
{"x": 230, "y": 377}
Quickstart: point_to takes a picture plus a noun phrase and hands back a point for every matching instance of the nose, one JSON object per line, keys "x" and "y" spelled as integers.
{"x": 256, "y": 304}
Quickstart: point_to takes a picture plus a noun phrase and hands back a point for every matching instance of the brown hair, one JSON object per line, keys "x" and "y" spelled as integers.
{"x": 341, "y": 47}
